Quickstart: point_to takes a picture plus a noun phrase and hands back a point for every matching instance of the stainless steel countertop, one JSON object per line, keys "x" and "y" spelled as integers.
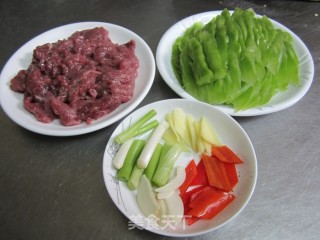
{"x": 52, "y": 187}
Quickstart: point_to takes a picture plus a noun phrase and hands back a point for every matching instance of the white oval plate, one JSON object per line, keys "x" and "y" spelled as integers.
{"x": 12, "y": 102}
{"x": 279, "y": 102}
{"x": 229, "y": 132}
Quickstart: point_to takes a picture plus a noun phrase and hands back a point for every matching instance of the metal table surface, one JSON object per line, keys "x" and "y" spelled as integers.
{"x": 52, "y": 187}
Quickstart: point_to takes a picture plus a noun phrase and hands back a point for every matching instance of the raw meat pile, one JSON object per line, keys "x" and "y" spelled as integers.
{"x": 78, "y": 79}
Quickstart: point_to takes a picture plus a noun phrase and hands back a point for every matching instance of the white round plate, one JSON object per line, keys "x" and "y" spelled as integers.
{"x": 229, "y": 132}
{"x": 12, "y": 102}
{"x": 279, "y": 102}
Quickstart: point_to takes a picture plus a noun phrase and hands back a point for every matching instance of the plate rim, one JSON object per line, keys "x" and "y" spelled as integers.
{"x": 261, "y": 110}
{"x": 106, "y": 164}
{"x": 83, "y": 128}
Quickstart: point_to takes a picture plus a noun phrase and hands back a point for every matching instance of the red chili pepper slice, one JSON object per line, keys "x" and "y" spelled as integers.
{"x": 209, "y": 203}
{"x": 232, "y": 174}
{"x": 201, "y": 177}
{"x": 191, "y": 172}
{"x": 225, "y": 154}
{"x": 216, "y": 173}
{"x": 187, "y": 196}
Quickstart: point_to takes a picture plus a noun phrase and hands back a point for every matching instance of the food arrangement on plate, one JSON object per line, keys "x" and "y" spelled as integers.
{"x": 178, "y": 162}
{"x": 235, "y": 59}
{"x": 76, "y": 78}
{"x": 148, "y": 164}
{"x": 240, "y": 62}
{"x": 81, "y": 78}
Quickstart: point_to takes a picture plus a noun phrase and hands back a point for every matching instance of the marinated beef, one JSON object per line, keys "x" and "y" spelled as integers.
{"x": 78, "y": 79}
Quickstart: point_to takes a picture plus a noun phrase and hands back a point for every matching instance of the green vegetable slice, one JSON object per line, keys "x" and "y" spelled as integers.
{"x": 169, "y": 155}
{"x": 236, "y": 59}
{"x": 198, "y": 64}
{"x": 125, "y": 171}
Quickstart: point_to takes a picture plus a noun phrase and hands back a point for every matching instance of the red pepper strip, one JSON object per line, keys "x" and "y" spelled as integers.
{"x": 191, "y": 172}
{"x": 209, "y": 203}
{"x": 225, "y": 154}
{"x": 201, "y": 177}
{"x": 216, "y": 173}
{"x": 201, "y": 196}
{"x": 216, "y": 208}
{"x": 187, "y": 196}
{"x": 195, "y": 194}
{"x": 231, "y": 172}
